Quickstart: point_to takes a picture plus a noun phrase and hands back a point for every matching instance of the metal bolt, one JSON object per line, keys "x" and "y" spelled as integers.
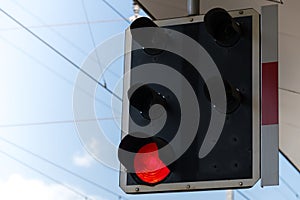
{"x": 137, "y": 189}
{"x": 188, "y": 187}
{"x": 241, "y": 12}
{"x": 192, "y": 19}
{"x": 241, "y": 183}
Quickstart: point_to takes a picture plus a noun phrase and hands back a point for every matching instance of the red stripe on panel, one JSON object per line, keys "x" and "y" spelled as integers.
{"x": 270, "y": 93}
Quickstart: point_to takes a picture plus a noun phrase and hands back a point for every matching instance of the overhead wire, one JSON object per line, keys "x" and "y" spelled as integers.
{"x": 77, "y": 68}
{"x": 243, "y": 195}
{"x": 64, "y": 24}
{"x": 116, "y": 11}
{"x": 92, "y": 38}
{"x": 54, "y": 72}
{"x": 23, "y": 163}
{"x": 45, "y": 175}
{"x": 289, "y": 187}
{"x": 55, "y": 122}
{"x": 61, "y": 54}
{"x": 79, "y": 49}
{"x": 60, "y": 167}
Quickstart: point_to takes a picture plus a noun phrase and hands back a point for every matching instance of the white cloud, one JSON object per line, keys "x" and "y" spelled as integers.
{"x": 17, "y": 187}
{"x": 83, "y": 160}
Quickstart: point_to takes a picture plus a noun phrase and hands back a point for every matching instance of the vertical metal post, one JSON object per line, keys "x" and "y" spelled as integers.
{"x": 229, "y": 195}
{"x": 193, "y": 7}
{"x": 136, "y": 11}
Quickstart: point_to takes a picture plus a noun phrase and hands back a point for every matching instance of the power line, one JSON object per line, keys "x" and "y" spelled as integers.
{"x": 52, "y": 71}
{"x": 55, "y": 122}
{"x": 92, "y": 38}
{"x": 60, "y": 54}
{"x": 64, "y": 24}
{"x": 116, "y": 11}
{"x": 60, "y": 167}
{"x": 243, "y": 195}
{"x": 45, "y": 175}
{"x": 60, "y": 35}
{"x": 289, "y": 187}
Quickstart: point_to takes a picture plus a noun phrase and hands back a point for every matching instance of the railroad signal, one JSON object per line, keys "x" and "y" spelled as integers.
{"x": 150, "y": 159}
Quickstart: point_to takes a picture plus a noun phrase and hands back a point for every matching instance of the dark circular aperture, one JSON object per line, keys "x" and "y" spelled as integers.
{"x": 222, "y": 27}
{"x": 143, "y": 98}
{"x": 233, "y": 97}
{"x": 147, "y": 37}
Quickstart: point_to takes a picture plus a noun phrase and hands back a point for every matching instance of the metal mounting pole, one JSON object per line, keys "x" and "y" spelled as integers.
{"x": 136, "y": 11}
{"x": 229, "y": 195}
{"x": 193, "y": 7}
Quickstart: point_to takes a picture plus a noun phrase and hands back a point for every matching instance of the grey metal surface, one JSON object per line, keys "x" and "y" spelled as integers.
{"x": 193, "y": 7}
{"x": 269, "y": 36}
{"x": 158, "y": 9}
{"x": 269, "y": 155}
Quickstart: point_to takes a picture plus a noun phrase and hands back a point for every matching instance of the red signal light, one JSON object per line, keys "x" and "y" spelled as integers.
{"x": 148, "y": 166}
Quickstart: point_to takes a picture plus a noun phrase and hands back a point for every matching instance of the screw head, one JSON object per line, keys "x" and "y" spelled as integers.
{"x": 241, "y": 183}
{"x": 241, "y": 12}
{"x": 137, "y": 189}
{"x": 188, "y": 187}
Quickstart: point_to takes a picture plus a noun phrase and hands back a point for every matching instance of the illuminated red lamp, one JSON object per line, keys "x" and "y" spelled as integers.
{"x": 148, "y": 166}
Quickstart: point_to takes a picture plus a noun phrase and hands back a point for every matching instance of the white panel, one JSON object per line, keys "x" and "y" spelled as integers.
{"x": 289, "y": 142}
{"x": 289, "y": 14}
{"x": 165, "y": 9}
{"x": 289, "y": 120}
{"x": 289, "y": 45}
{"x": 289, "y": 108}
{"x": 289, "y": 62}
{"x": 206, "y": 5}
{"x": 289, "y": 48}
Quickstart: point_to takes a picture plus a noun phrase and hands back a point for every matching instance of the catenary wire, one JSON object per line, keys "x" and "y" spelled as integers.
{"x": 64, "y": 24}
{"x": 289, "y": 187}
{"x": 60, "y": 54}
{"x": 53, "y": 163}
{"x": 116, "y": 11}
{"x": 55, "y": 122}
{"x": 92, "y": 37}
{"x": 104, "y": 86}
{"x": 243, "y": 195}
{"x": 79, "y": 49}
{"x": 60, "y": 167}
{"x": 45, "y": 175}
{"x": 54, "y": 72}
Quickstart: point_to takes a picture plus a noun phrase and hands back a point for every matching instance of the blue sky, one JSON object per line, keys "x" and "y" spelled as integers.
{"x": 37, "y": 86}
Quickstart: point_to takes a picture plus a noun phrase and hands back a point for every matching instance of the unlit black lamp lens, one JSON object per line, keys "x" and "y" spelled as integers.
{"x": 147, "y": 37}
{"x": 143, "y": 98}
{"x": 222, "y": 27}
